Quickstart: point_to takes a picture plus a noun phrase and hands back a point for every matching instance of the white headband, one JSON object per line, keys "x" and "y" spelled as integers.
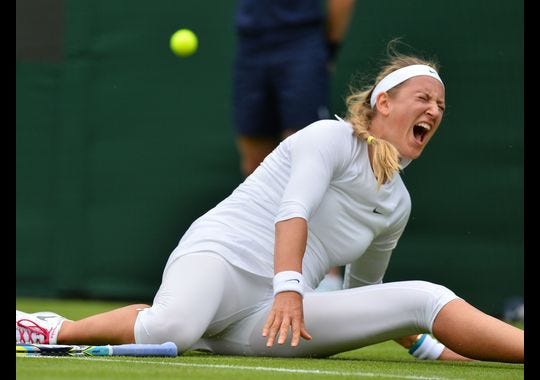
{"x": 399, "y": 76}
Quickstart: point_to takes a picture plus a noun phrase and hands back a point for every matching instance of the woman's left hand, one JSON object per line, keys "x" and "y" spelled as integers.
{"x": 287, "y": 312}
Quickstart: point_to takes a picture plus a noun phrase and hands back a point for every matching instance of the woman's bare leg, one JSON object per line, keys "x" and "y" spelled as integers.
{"x": 470, "y": 332}
{"x": 111, "y": 327}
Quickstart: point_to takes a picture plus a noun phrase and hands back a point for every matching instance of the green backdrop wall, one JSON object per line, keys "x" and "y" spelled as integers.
{"x": 121, "y": 145}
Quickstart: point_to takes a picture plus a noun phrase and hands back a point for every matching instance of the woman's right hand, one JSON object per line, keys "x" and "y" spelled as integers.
{"x": 287, "y": 312}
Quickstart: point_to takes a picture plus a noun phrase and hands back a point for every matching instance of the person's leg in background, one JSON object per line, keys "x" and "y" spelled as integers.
{"x": 255, "y": 115}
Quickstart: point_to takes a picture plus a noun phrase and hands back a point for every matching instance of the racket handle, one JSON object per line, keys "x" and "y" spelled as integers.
{"x": 135, "y": 349}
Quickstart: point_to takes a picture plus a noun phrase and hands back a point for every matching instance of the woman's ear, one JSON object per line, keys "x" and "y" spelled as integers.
{"x": 383, "y": 103}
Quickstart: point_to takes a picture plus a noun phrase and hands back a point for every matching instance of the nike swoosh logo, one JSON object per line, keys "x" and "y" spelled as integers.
{"x": 294, "y": 279}
{"x": 377, "y": 211}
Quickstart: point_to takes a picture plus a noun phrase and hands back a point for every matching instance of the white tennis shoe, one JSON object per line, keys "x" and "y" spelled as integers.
{"x": 40, "y": 328}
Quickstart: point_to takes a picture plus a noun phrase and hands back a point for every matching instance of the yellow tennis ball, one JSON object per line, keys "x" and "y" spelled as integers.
{"x": 184, "y": 42}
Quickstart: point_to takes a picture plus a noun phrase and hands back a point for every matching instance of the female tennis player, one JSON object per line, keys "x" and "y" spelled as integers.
{"x": 241, "y": 280}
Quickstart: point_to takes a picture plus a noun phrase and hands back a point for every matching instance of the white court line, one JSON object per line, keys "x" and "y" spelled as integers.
{"x": 259, "y": 368}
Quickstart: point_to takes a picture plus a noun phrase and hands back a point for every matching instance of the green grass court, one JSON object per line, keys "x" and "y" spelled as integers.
{"x": 382, "y": 361}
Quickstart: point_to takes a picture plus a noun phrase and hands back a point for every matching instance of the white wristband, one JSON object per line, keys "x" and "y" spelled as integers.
{"x": 426, "y": 347}
{"x": 289, "y": 281}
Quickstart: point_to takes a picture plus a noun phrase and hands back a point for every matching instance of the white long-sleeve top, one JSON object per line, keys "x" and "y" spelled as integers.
{"x": 322, "y": 173}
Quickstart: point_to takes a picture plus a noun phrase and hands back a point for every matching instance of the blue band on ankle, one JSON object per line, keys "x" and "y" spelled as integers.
{"x": 417, "y": 344}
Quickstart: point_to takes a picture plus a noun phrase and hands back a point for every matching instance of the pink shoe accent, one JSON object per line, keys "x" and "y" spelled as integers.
{"x": 31, "y": 332}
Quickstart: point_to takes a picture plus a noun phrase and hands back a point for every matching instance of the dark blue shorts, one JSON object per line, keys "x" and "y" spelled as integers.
{"x": 280, "y": 82}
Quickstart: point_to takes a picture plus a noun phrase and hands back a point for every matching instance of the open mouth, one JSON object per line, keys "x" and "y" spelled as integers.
{"x": 420, "y": 131}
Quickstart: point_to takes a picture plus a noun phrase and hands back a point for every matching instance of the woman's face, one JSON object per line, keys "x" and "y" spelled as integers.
{"x": 413, "y": 113}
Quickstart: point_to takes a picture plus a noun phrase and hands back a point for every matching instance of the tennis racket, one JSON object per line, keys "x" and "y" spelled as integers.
{"x": 135, "y": 349}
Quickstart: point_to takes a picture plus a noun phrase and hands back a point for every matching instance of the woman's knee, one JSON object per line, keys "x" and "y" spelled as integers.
{"x": 435, "y": 298}
{"x": 158, "y": 326}
{"x": 435, "y": 290}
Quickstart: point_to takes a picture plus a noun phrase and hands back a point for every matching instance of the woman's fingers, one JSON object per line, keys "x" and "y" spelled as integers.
{"x": 268, "y": 323}
{"x": 296, "y": 330}
{"x": 305, "y": 334}
{"x": 286, "y": 314}
{"x": 284, "y": 330}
